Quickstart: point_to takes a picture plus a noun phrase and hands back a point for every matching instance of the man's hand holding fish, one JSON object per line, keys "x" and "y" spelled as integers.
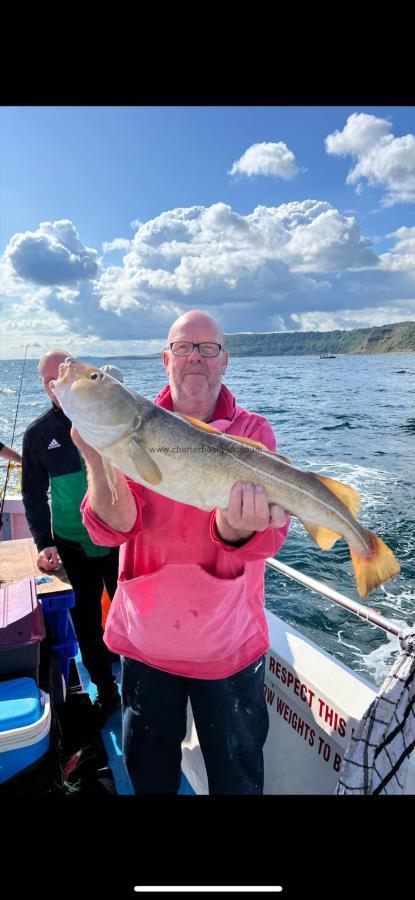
{"x": 248, "y": 511}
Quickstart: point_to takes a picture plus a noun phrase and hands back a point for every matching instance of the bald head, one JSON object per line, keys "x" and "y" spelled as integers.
{"x": 52, "y": 360}
{"x": 198, "y": 321}
{"x": 49, "y": 370}
{"x": 195, "y": 380}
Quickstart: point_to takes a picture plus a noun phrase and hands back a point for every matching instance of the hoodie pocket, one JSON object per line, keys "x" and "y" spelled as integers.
{"x": 183, "y": 612}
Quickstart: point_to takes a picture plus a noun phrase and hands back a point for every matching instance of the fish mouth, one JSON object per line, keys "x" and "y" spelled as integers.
{"x": 63, "y": 367}
{"x": 66, "y": 370}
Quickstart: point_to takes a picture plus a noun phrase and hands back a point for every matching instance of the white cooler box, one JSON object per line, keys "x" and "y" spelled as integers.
{"x": 25, "y": 717}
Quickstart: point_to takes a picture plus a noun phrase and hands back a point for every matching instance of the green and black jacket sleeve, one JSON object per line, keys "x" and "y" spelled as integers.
{"x": 35, "y": 486}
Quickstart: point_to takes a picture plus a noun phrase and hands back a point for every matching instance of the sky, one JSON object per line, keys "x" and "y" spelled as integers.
{"x": 116, "y": 220}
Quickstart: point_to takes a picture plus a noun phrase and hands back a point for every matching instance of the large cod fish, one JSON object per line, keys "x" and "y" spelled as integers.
{"x": 193, "y": 463}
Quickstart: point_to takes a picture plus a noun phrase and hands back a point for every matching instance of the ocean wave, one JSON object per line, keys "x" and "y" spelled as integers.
{"x": 377, "y": 663}
{"x": 408, "y": 427}
{"x": 341, "y": 425}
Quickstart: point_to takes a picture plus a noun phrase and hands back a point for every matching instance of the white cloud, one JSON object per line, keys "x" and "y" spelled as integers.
{"x": 402, "y": 257}
{"x": 276, "y": 268}
{"x": 116, "y": 244}
{"x": 323, "y": 240}
{"x": 225, "y": 261}
{"x": 52, "y": 255}
{"x": 10, "y": 283}
{"x": 310, "y": 234}
{"x": 268, "y": 158}
{"x": 381, "y": 158}
{"x": 67, "y": 295}
{"x": 360, "y": 134}
{"x": 367, "y": 317}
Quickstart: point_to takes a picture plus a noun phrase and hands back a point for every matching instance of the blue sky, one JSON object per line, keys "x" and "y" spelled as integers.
{"x": 114, "y": 220}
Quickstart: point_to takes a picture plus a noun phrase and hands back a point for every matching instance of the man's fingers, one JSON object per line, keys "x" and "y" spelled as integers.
{"x": 261, "y": 508}
{"x": 279, "y": 516}
{"x": 76, "y": 437}
{"x": 234, "y": 508}
{"x": 45, "y": 565}
{"x": 248, "y": 503}
{"x": 49, "y": 559}
{"x": 248, "y": 507}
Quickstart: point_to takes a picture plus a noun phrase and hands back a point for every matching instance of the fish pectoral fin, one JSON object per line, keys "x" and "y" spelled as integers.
{"x": 343, "y": 492}
{"x": 322, "y": 536}
{"x": 110, "y": 478}
{"x": 147, "y": 469}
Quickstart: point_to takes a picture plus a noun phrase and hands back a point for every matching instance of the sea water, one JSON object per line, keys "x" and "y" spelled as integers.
{"x": 351, "y": 418}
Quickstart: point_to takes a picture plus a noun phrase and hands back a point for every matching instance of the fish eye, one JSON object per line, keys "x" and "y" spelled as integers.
{"x": 94, "y": 375}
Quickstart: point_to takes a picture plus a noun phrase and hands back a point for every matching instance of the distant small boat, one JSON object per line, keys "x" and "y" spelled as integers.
{"x": 327, "y": 356}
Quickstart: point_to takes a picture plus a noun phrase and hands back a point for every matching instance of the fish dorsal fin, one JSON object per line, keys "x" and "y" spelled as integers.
{"x": 322, "y": 536}
{"x": 259, "y": 446}
{"x": 234, "y": 437}
{"x": 146, "y": 467}
{"x": 283, "y": 459}
{"x": 343, "y": 492}
{"x": 249, "y": 441}
{"x": 198, "y": 423}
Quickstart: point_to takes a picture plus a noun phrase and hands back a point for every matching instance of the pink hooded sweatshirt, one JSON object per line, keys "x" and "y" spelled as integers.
{"x": 187, "y": 602}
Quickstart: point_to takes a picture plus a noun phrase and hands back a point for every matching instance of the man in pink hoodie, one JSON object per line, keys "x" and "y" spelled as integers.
{"x": 188, "y": 615}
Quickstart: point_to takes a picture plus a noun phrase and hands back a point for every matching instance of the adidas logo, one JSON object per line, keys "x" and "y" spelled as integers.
{"x": 53, "y": 444}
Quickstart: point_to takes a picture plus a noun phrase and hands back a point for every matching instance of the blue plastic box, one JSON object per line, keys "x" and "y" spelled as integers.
{"x": 55, "y": 611}
{"x": 67, "y": 649}
{"x": 25, "y": 718}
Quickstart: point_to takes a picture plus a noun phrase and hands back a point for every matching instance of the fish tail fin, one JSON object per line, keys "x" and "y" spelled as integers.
{"x": 375, "y": 566}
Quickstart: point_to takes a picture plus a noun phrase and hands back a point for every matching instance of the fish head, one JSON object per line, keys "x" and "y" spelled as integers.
{"x": 100, "y": 407}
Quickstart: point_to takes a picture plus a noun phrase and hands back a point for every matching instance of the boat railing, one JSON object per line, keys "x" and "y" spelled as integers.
{"x": 363, "y": 612}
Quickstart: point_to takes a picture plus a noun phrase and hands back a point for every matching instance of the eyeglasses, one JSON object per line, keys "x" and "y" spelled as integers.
{"x": 185, "y": 348}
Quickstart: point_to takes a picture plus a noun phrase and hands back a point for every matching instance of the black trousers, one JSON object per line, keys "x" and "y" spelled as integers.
{"x": 231, "y": 719}
{"x": 88, "y": 576}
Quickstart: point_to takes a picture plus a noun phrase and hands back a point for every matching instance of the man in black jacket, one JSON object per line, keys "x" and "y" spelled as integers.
{"x": 50, "y": 458}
